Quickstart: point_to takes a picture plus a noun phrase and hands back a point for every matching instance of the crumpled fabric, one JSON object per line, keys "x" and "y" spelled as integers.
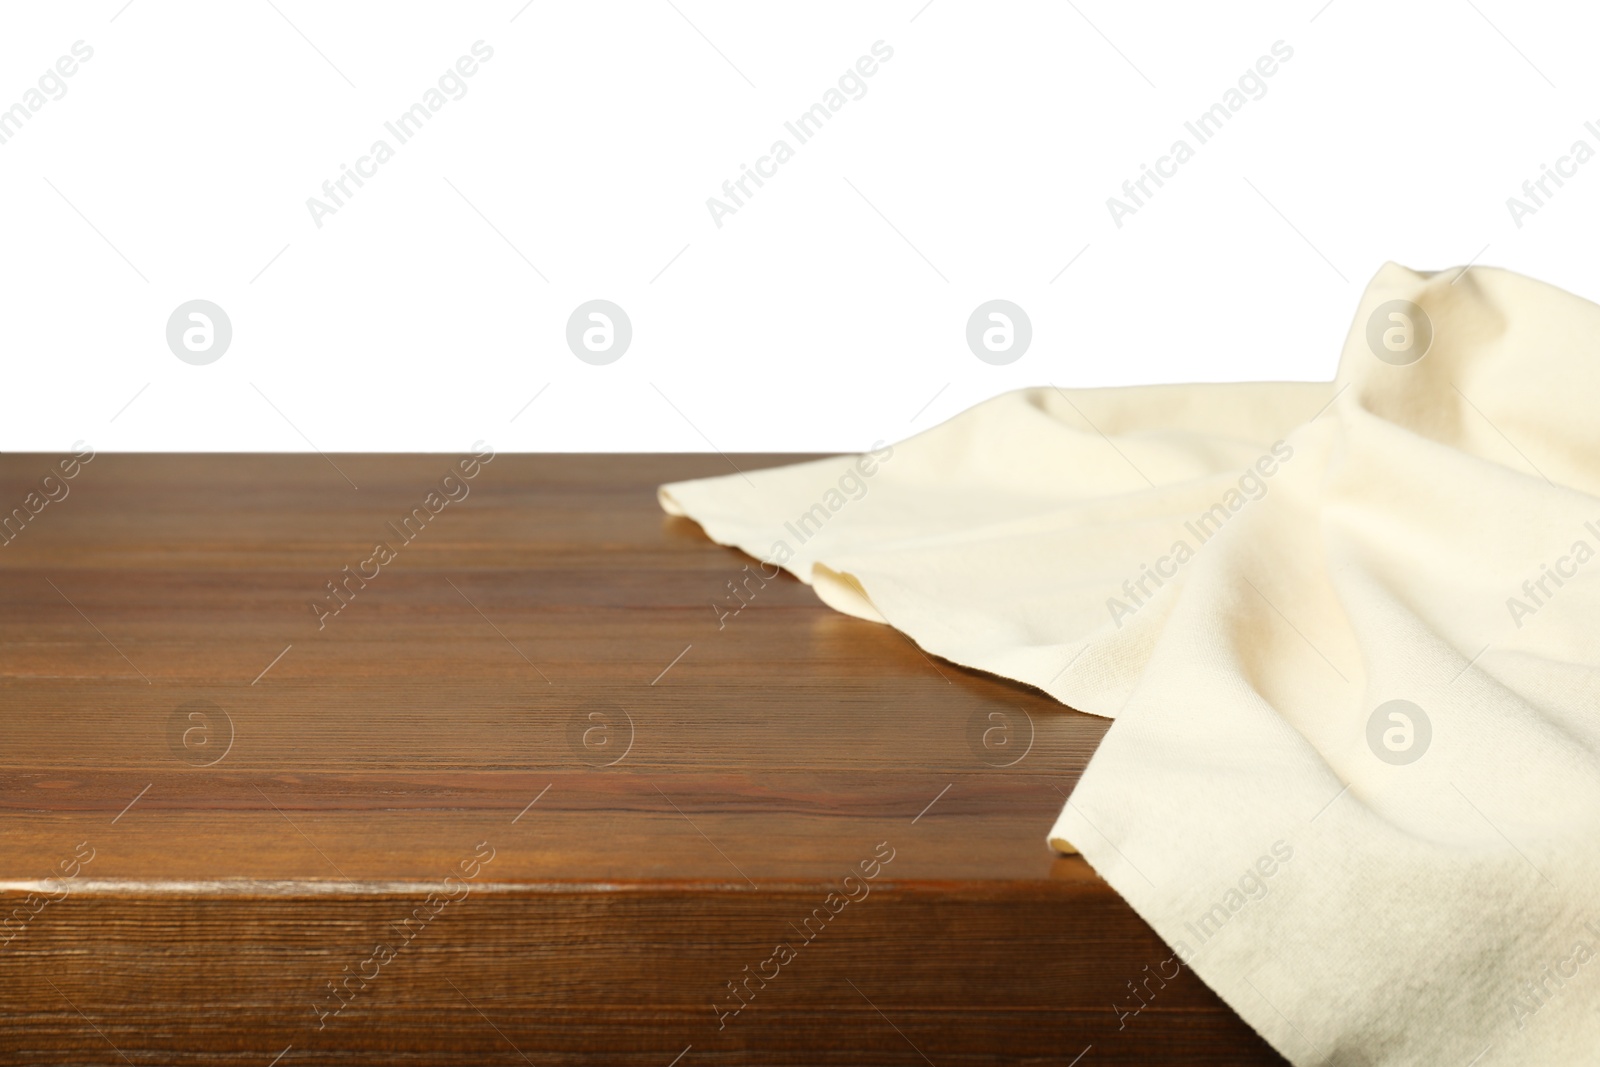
{"x": 1349, "y": 636}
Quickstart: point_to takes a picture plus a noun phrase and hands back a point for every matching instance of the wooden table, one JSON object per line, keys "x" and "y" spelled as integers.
{"x": 534, "y": 794}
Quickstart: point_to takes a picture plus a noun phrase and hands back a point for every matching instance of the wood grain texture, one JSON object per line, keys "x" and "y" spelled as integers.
{"x": 541, "y": 672}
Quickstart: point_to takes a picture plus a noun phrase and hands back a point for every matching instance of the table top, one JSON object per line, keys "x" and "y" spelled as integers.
{"x": 550, "y": 638}
{"x": 260, "y": 713}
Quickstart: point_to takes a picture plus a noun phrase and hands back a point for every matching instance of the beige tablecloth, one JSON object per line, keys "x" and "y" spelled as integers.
{"x": 1349, "y": 634}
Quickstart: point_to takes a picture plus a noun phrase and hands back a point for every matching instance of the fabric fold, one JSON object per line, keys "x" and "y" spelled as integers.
{"x": 1345, "y": 630}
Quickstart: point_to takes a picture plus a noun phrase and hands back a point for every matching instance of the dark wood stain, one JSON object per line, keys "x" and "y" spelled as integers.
{"x": 770, "y": 756}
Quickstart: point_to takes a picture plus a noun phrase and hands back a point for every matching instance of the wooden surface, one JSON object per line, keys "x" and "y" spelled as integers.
{"x": 267, "y": 801}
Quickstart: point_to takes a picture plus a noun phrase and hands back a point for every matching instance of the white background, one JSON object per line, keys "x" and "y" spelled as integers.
{"x": 830, "y": 311}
